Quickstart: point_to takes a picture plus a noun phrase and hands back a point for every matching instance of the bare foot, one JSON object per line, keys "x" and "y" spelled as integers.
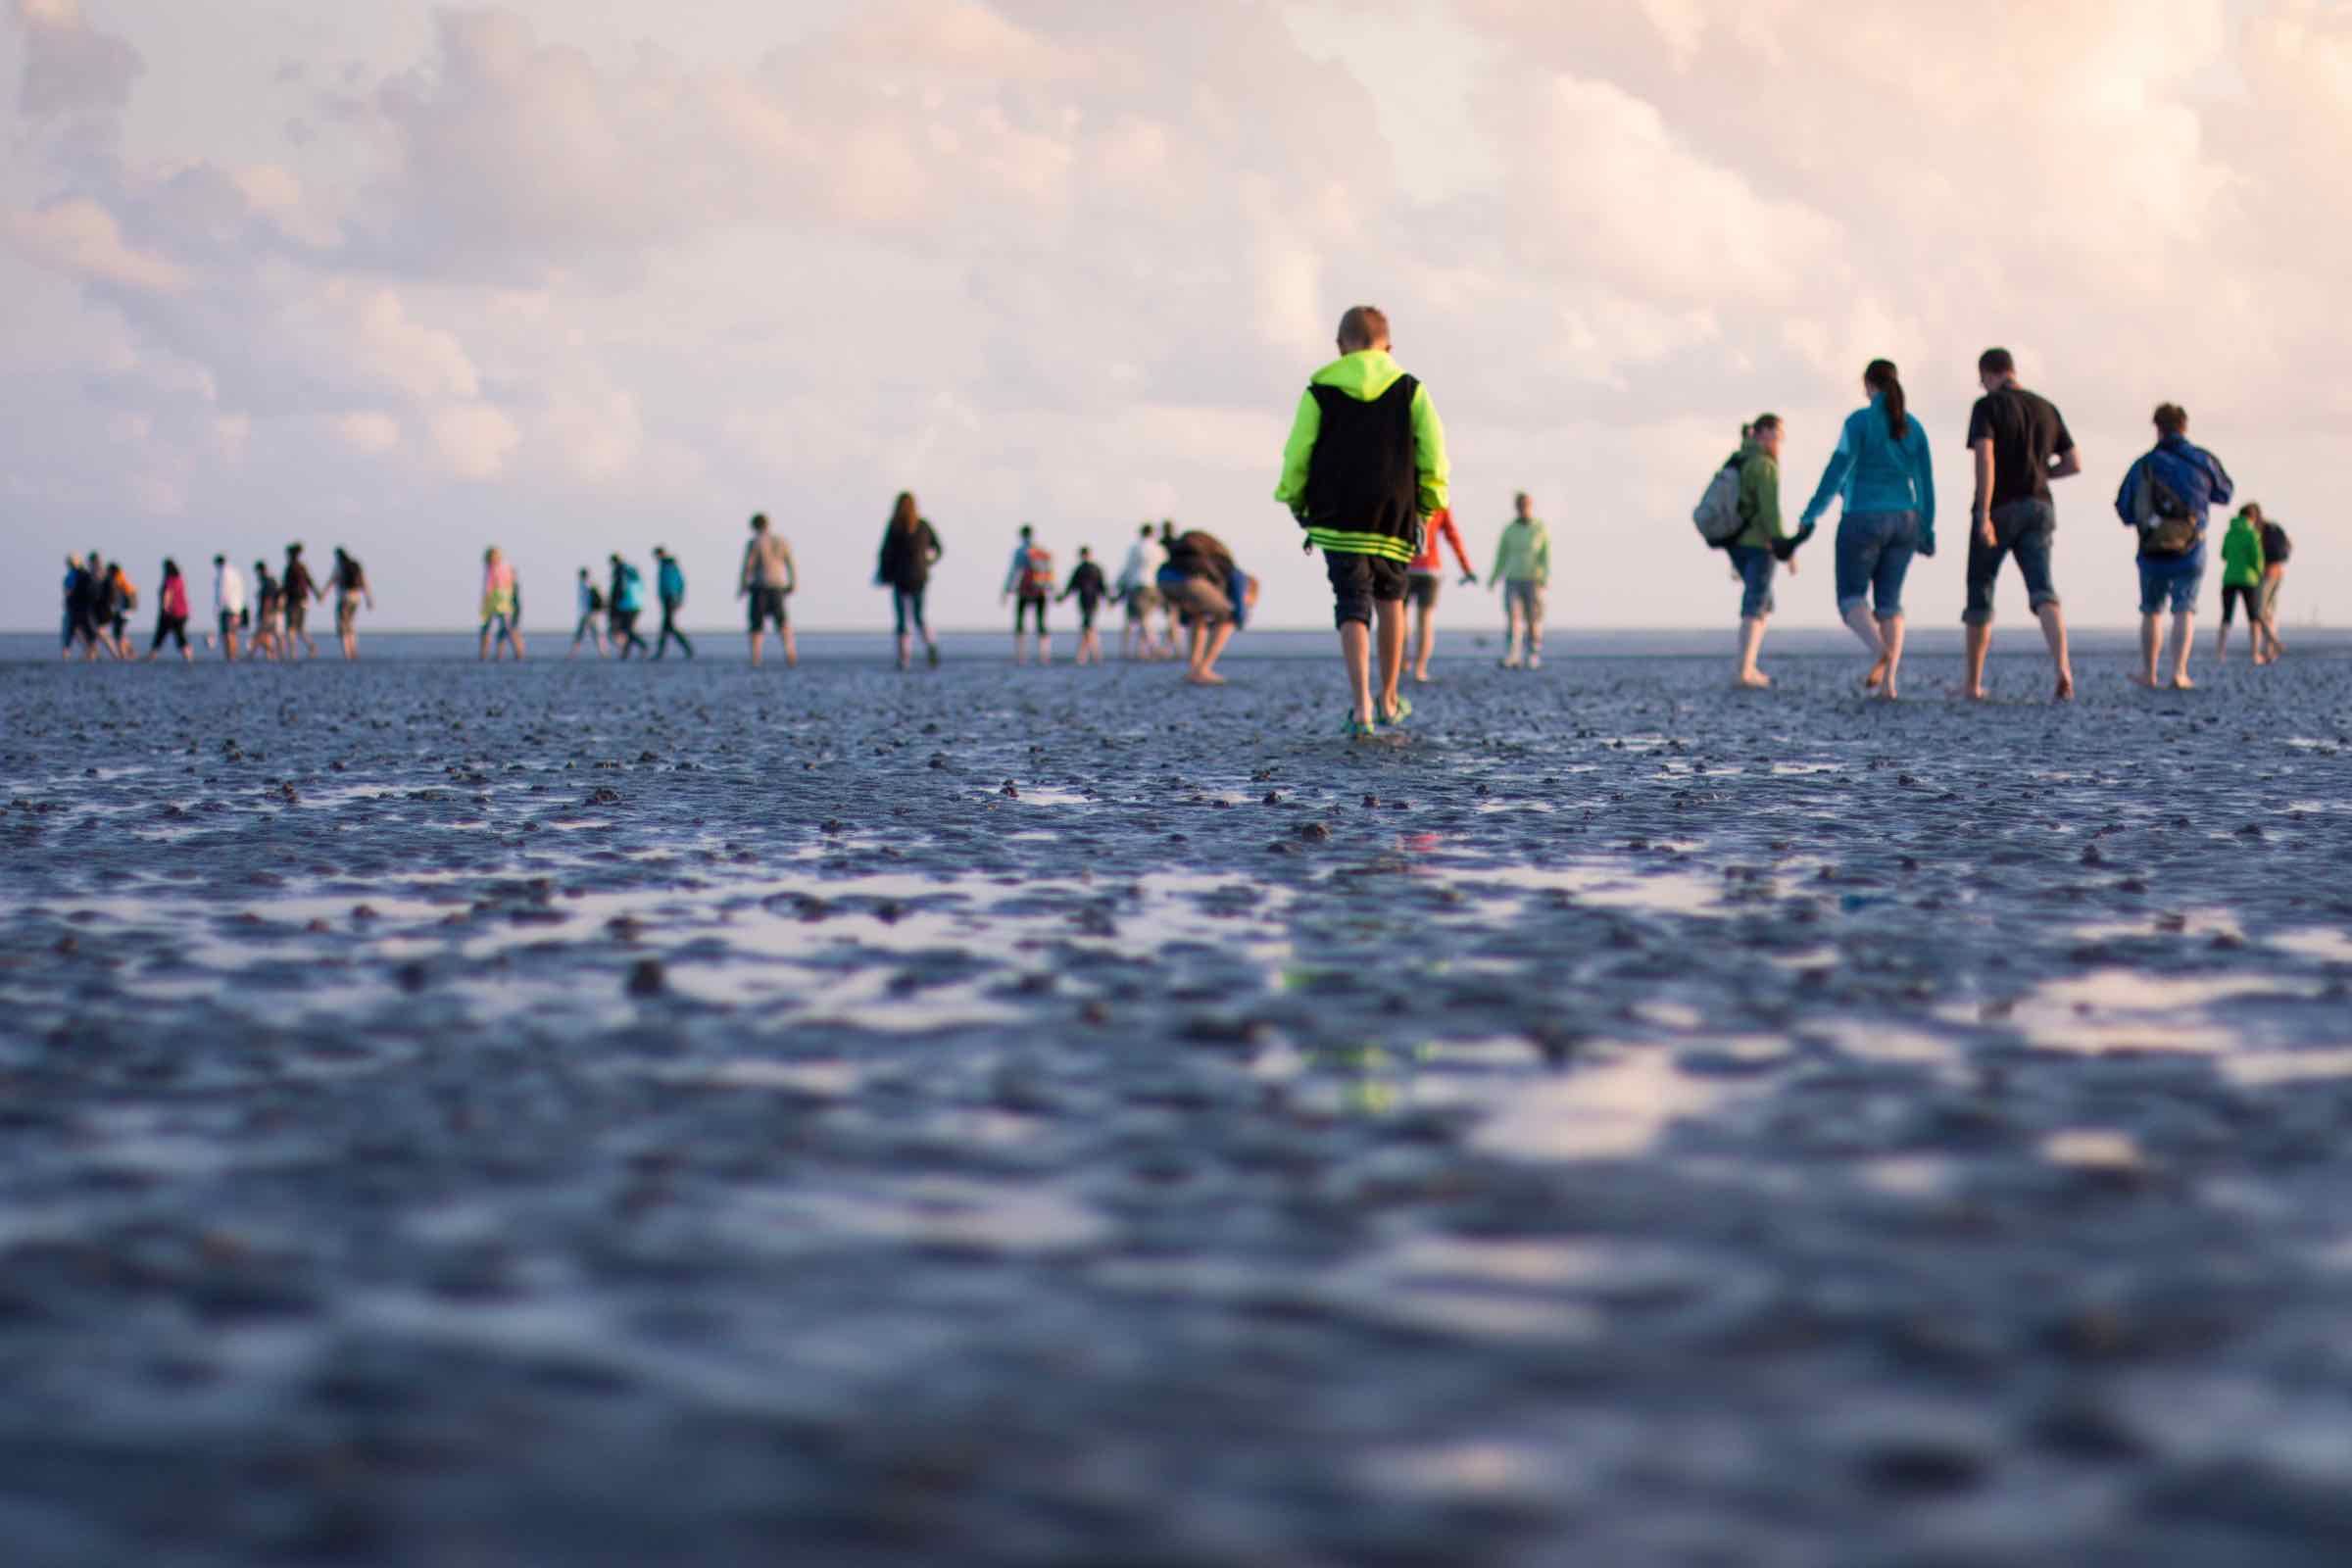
{"x": 2143, "y": 678}
{"x": 2066, "y": 687}
{"x": 1205, "y": 677}
{"x": 1420, "y": 678}
{"x": 1975, "y": 694}
{"x": 1755, "y": 680}
{"x": 2181, "y": 683}
{"x": 1887, "y": 692}
{"x": 1877, "y": 677}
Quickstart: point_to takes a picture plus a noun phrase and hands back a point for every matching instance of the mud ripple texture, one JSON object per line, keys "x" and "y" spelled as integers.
{"x": 598, "y": 1115}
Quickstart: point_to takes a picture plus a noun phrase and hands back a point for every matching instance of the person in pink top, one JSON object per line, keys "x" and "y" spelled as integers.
{"x": 1422, "y": 581}
{"x": 171, "y": 613}
{"x": 499, "y": 605}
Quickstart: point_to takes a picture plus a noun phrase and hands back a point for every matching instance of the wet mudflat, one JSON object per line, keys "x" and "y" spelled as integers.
{"x": 590, "y": 1114}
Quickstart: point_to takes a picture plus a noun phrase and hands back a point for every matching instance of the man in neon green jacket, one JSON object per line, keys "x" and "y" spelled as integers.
{"x": 1363, "y": 471}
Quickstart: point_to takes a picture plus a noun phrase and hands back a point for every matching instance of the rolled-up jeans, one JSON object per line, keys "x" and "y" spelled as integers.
{"x": 1755, "y": 566}
{"x": 1874, "y": 554}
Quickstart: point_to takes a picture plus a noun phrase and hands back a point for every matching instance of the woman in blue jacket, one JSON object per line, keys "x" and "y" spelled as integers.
{"x": 1883, "y": 475}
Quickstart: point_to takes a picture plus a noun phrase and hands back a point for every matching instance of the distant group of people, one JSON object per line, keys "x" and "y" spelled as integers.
{"x": 1366, "y": 474}
{"x": 1882, "y": 476}
{"x": 271, "y": 623}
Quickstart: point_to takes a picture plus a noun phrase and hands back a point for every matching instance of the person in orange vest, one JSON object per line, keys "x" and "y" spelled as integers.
{"x": 1423, "y": 580}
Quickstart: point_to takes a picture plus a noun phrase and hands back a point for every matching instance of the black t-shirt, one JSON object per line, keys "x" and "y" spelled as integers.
{"x": 2274, "y": 546}
{"x": 1087, "y": 583}
{"x": 2026, "y": 430}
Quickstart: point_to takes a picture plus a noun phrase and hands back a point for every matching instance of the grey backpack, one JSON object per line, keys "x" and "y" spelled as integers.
{"x": 1718, "y": 513}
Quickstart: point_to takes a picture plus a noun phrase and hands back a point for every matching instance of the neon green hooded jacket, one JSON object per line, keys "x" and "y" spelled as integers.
{"x": 1364, "y": 375}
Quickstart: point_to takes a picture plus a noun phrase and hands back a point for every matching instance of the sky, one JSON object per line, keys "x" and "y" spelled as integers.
{"x": 418, "y": 279}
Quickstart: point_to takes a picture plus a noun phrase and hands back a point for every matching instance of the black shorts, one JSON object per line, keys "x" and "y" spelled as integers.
{"x": 768, "y": 609}
{"x": 2233, "y": 592}
{"x": 1358, "y": 582}
{"x": 1023, "y": 605}
{"x": 1088, "y": 609}
{"x": 298, "y": 614}
{"x": 1421, "y": 587}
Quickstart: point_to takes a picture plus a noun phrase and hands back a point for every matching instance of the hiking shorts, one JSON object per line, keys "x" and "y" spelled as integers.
{"x": 2170, "y": 581}
{"x": 1755, "y": 566}
{"x": 2026, "y": 529}
{"x": 1359, "y": 582}
{"x": 1421, "y": 588}
{"x": 1141, "y": 602}
{"x": 2269, "y": 594}
{"x": 1198, "y": 600}
{"x": 1028, "y": 605}
{"x": 767, "y": 609}
{"x": 1523, "y": 599}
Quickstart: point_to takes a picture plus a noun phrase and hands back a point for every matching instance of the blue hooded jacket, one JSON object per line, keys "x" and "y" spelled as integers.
{"x": 672, "y": 581}
{"x": 1872, "y": 471}
{"x": 2190, "y": 471}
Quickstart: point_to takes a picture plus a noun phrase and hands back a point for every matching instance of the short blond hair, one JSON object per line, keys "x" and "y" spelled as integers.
{"x": 1364, "y": 326}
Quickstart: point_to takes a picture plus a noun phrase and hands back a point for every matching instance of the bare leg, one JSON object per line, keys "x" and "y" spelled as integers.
{"x": 1355, "y": 649}
{"x": 1751, "y": 643}
{"x": 2053, "y": 633}
{"x": 1512, "y": 622}
{"x": 1891, "y": 633}
{"x": 1979, "y": 643}
{"x": 485, "y": 651}
{"x": 756, "y": 640}
{"x": 2221, "y": 642}
{"x": 2184, "y": 628}
{"x": 1425, "y": 636}
{"x": 792, "y": 649}
{"x": 1858, "y": 619}
{"x": 1206, "y": 651}
{"x": 2151, "y": 648}
{"x": 1391, "y": 615}
{"x": 905, "y": 651}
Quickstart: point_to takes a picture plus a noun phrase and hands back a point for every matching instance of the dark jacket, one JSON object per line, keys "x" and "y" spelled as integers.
{"x": 906, "y": 556}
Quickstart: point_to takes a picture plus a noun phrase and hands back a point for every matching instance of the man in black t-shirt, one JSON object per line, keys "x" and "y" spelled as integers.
{"x": 2021, "y": 444}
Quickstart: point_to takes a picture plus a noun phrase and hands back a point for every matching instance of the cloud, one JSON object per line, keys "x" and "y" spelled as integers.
{"x": 77, "y": 236}
{"x": 370, "y": 431}
{"x": 475, "y": 439}
{"x": 1065, "y": 262}
{"x": 70, "y": 68}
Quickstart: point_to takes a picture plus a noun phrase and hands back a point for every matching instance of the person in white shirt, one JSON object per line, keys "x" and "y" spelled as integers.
{"x": 229, "y": 603}
{"x": 1139, "y": 585}
{"x": 591, "y": 628}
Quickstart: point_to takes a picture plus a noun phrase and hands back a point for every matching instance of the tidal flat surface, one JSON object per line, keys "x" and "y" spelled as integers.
{"x": 597, "y": 1114}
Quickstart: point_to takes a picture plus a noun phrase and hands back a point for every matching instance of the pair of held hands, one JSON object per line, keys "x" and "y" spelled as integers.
{"x": 1788, "y": 547}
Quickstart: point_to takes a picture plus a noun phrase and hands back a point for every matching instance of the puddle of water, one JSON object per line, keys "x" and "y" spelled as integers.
{"x": 2092, "y": 1148}
{"x": 2130, "y": 1009}
{"x": 1610, "y": 1111}
{"x": 2323, "y": 943}
{"x": 2259, "y": 1069}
